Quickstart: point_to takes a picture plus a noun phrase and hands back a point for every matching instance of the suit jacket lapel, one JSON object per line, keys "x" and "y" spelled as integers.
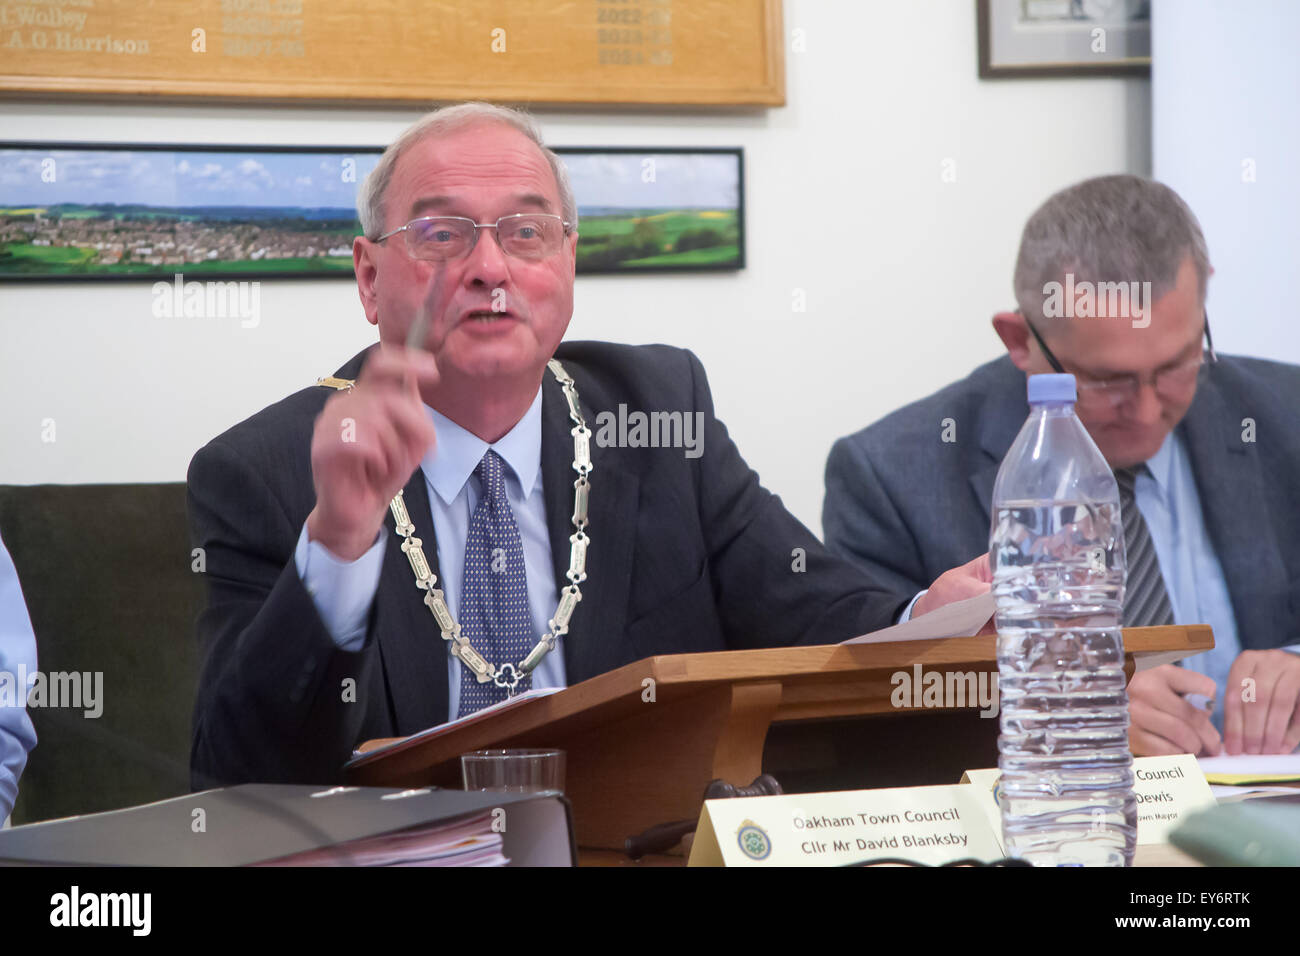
{"x": 1231, "y": 488}
{"x": 413, "y": 651}
{"x": 1001, "y": 416}
{"x": 591, "y": 646}
{"x": 981, "y": 482}
{"x": 413, "y": 654}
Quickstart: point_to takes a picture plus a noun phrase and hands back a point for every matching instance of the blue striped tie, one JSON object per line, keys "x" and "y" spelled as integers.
{"x": 494, "y": 610}
{"x": 1146, "y": 601}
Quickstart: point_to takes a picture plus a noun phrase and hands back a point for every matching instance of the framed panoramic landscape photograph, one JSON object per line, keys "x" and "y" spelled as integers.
{"x": 97, "y": 211}
{"x": 658, "y": 210}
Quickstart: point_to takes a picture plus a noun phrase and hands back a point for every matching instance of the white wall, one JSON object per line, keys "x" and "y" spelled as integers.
{"x": 1226, "y": 131}
{"x": 845, "y": 201}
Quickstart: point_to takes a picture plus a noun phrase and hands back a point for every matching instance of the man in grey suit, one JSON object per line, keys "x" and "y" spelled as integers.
{"x": 1110, "y": 281}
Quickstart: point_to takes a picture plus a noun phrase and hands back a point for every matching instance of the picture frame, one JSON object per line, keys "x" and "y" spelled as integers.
{"x": 1059, "y": 38}
{"x": 598, "y": 52}
{"x": 91, "y": 211}
{"x": 638, "y": 207}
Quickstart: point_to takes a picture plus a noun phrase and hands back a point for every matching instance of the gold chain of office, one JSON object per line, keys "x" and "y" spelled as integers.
{"x": 507, "y": 675}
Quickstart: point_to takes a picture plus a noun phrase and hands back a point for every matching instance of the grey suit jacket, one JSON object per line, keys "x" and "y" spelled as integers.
{"x": 905, "y": 505}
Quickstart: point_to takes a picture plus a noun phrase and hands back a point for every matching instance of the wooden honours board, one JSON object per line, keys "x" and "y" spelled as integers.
{"x": 398, "y": 51}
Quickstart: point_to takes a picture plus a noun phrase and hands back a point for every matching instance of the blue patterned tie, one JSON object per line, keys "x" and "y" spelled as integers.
{"x": 494, "y": 613}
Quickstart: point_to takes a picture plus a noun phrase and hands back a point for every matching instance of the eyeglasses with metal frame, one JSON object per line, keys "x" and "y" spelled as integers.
{"x": 1171, "y": 382}
{"x": 524, "y": 235}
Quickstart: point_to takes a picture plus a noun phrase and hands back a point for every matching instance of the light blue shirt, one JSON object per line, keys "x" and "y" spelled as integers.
{"x": 17, "y": 662}
{"x": 1198, "y": 591}
{"x": 344, "y": 591}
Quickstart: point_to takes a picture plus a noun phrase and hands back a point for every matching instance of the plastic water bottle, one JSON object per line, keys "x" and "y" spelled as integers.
{"x": 1057, "y": 551}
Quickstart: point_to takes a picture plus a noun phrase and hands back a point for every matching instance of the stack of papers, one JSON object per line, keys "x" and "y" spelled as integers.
{"x": 1235, "y": 775}
{"x": 283, "y": 824}
{"x": 467, "y": 842}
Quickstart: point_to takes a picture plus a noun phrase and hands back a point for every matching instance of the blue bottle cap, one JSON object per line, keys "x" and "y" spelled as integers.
{"x": 1051, "y": 388}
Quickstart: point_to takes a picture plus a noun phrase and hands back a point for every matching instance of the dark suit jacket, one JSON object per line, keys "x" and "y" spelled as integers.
{"x": 686, "y": 554}
{"x": 906, "y": 506}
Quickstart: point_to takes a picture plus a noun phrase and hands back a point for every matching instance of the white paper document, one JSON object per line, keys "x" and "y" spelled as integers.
{"x": 959, "y": 619}
{"x": 1253, "y": 765}
{"x": 500, "y": 705}
{"x": 507, "y": 704}
{"x": 1224, "y": 792}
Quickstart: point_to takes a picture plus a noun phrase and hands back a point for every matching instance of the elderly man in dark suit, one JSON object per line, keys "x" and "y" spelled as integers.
{"x": 367, "y": 582}
{"x": 1206, "y": 449}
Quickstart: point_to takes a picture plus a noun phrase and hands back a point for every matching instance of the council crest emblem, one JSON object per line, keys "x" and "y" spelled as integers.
{"x": 754, "y": 841}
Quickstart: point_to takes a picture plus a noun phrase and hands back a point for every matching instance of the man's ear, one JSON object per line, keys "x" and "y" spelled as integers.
{"x": 573, "y": 251}
{"x": 363, "y": 263}
{"x": 1014, "y": 333}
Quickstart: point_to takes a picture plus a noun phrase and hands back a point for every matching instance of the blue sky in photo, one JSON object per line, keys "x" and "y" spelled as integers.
{"x": 223, "y": 178}
{"x": 701, "y": 180}
{"x": 181, "y": 178}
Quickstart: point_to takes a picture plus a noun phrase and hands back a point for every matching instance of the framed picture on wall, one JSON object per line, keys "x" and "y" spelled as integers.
{"x": 658, "y": 210}
{"x": 75, "y": 211}
{"x": 613, "y": 52}
{"x": 96, "y": 211}
{"x": 1036, "y": 38}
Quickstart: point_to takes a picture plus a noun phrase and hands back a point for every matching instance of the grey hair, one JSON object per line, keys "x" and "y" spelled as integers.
{"x": 449, "y": 119}
{"x": 1108, "y": 229}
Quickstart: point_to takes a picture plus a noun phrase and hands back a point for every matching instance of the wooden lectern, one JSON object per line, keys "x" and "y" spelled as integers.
{"x": 644, "y": 741}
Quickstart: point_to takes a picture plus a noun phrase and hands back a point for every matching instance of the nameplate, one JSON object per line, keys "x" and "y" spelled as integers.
{"x": 1168, "y": 789}
{"x": 931, "y": 825}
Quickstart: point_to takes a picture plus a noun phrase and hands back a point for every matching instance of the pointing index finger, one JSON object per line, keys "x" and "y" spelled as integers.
{"x": 419, "y": 330}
